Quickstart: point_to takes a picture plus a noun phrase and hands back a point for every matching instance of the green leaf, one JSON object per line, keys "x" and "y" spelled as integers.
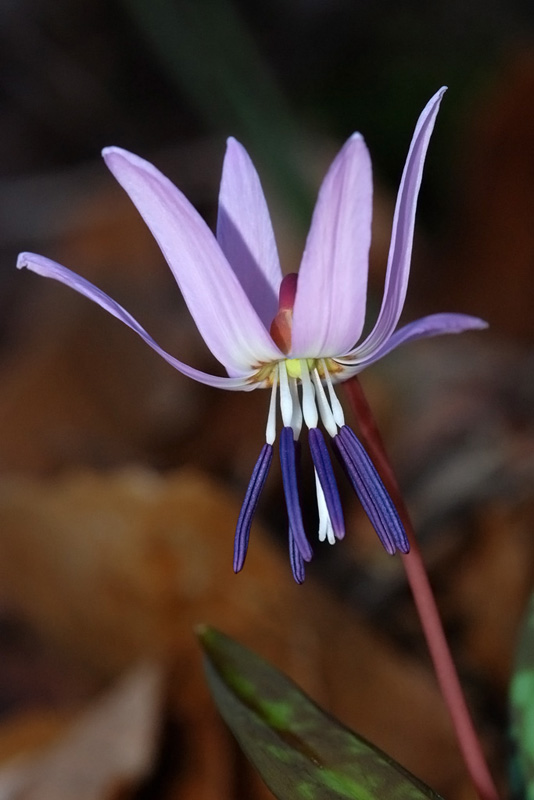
{"x": 522, "y": 711}
{"x": 300, "y": 751}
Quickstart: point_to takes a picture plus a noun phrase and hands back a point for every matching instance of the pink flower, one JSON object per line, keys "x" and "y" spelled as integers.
{"x": 298, "y": 335}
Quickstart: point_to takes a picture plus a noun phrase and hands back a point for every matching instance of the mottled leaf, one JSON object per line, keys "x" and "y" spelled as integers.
{"x": 522, "y": 711}
{"x": 299, "y": 750}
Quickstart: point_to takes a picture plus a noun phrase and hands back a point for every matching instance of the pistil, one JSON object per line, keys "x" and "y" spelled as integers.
{"x": 281, "y": 324}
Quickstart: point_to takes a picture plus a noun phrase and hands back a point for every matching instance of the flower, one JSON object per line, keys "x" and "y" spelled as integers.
{"x": 296, "y": 335}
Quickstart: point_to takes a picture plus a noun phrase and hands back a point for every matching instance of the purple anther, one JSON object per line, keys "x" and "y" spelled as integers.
{"x": 242, "y": 531}
{"x": 297, "y": 562}
{"x": 289, "y": 478}
{"x": 372, "y": 493}
{"x": 327, "y": 479}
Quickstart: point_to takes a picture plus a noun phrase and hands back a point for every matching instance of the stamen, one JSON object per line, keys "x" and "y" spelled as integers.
{"x": 327, "y": 417}
{"x": 248, "y": 508}
{"x": 296, "y": 420}
{"x": 325, "y": 526}
{"x": 286, "y": 401}
{"x": 270, "y": 431}
{"x": 327, "y": 479}
{"x": 372, "y": 493}
{"x": 335, "y": 405}
{"x": 309, "y": 409}
{"x": 297, "y": 562}
{"x": 289, "y": 478}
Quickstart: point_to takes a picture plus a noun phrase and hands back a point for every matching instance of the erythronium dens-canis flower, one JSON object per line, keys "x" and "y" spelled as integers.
{"x": 295, "y": 335}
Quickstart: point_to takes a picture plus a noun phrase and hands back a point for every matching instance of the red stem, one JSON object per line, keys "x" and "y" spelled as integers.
{"x": 426, "y": 605}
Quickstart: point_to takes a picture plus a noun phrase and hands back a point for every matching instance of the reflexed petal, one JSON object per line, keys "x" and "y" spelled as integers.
{"x": 50, "y": 269}
{"x": 330, "y": 304}
{"x": 245, "y": 232}
{"x": 248, "y": 508}
{"x": 424, "y": 328}
{"x": 400, "y": 250}
{"x": 223, "y": 313}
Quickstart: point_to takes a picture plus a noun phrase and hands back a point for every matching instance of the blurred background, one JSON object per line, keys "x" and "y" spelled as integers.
{"x": 120, "y": 480}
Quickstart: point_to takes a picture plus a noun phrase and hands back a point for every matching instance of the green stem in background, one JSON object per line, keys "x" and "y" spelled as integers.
{"x": 426, "y": 605}
{"x": 208, "y": 53}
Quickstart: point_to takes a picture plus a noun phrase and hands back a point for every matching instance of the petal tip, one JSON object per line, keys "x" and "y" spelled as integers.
{"x": 438, "y": 96}
{"x": 465, "y": 322}
{"x": 117, "y": 157}
{"x": 112, "y": 150}
{"x": 235, "y": 149}
{"x": 356, "y": 142}
{"x": 22, "y": 260}
{"x": 236, "y": 153}
{"x": 35, "y": 263}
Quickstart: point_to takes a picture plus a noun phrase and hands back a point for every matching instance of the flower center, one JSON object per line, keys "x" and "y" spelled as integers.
{"x": 281, "y": 324}
{"x": 280, "y": 331}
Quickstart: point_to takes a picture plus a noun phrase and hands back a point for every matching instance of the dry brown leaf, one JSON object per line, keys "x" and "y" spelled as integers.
{"x": 124, "y": 564}
{"x": 491, "y": 589}
{"x": 104, "y": 754}
{"x": 81, "y": 393}
{"x": 31, "y": 730}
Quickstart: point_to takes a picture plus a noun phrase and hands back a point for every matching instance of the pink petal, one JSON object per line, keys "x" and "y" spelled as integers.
{"x": 245, "y": 232}
{"x": 424, "y": 328}
{"x": 331, "y": 293}
{"x": 50, "y": 269}
{"x": 400, "y": 250}
{"x": 223, "y": 313}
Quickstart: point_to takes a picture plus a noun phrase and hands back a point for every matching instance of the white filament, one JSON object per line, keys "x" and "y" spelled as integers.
{"x": 327, "y": 417}
{"x": 296, "y": 421}
{"x": 326, "y": 531}
{"x": 337, "y": 410}
{"x": 309, "y": 409}
{"x": 270, "y": 431}
{"x": 286, "y": 401}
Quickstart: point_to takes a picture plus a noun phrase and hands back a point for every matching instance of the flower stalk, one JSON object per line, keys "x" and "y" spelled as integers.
{"x": 425, "y": 603}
